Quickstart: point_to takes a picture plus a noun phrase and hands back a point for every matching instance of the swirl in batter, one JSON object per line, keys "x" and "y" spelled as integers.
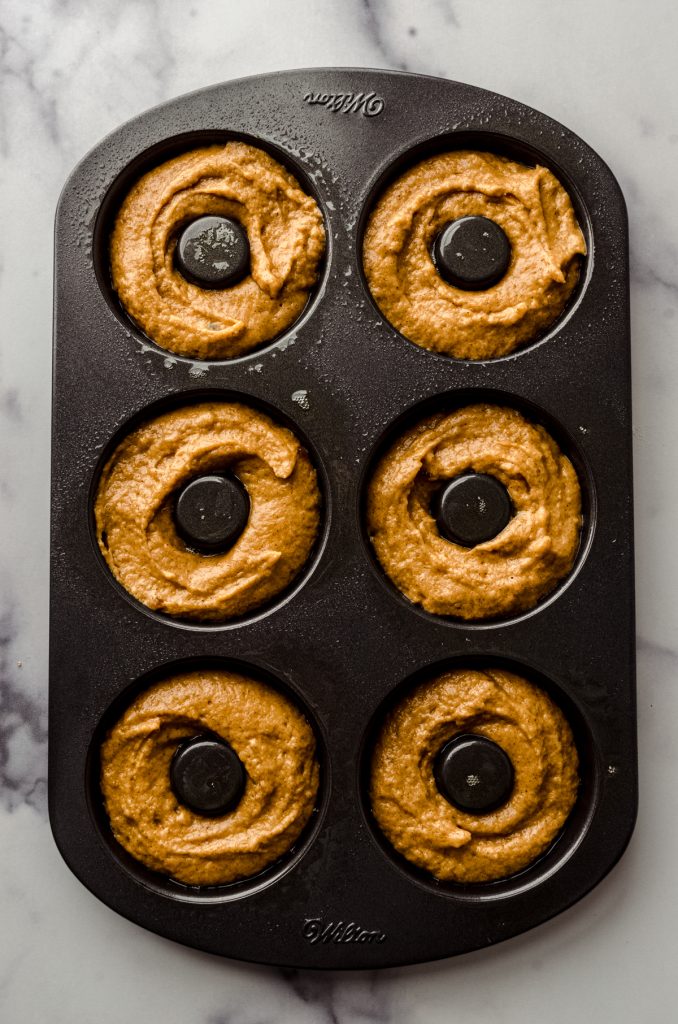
{"x": 134, "y": 506}
{"x": 271, "y": 737}
{"x": 535, "y": 213}
{"x": 286, "y": 238}
{"x": 512, "y": 571}
{"x": 423, "y": 826}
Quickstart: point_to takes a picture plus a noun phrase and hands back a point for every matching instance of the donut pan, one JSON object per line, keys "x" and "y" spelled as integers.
{"x": 342, "y": 641}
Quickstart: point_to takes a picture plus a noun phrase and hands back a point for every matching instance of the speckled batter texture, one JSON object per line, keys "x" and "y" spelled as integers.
{"x": 286, "y": 236}
{"x": 135, "y": 501}
{"x": 423, "y": 826}
{"x": 536, "y": 214}
{"x": 270, "y": 736}
{"x": 510, "y": 572}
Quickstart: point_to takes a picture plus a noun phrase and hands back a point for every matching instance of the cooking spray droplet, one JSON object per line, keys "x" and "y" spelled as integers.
{"x": 301, "y": 398}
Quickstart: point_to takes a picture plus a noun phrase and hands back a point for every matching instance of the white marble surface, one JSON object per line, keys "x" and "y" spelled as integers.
{"x": 71, "y": 71}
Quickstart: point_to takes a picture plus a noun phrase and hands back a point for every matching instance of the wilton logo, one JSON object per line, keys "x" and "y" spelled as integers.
{"x": 366, "y": 103}
{"x": 338, "y": 931}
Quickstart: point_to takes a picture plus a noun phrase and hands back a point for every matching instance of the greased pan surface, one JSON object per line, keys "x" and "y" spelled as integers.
{"x": 342, "y": 641}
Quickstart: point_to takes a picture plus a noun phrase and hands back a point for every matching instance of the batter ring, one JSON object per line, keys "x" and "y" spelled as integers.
{"x": 286, "y": 237}
{"x": 275, "y": 744}
{"x": 418, "y": 820}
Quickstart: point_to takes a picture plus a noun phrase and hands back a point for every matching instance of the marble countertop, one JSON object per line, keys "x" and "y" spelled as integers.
{"x": 72, "y": 71}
